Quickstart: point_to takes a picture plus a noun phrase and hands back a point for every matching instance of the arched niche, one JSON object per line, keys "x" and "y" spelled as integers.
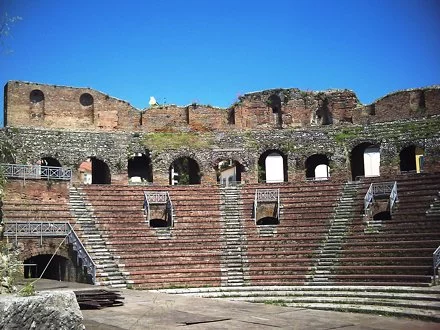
{"x": 94, "y": 171}
{"x": 184, "y": 171}
{"x": 229, "y": 172}
{"x": 272, "y": 167}
{"x": 274, "y": 102}
{"x": 317, "y": 167}
{"x": 411, "y": 159}
{"x": 365, "y": 160}
{"x": 140, "y": 168}
{"x": 50, "y": 161}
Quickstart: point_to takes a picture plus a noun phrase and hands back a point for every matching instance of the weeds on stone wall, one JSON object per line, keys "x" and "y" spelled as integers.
{"x": 10, "y": 267}
{"x": 166, "y": 141}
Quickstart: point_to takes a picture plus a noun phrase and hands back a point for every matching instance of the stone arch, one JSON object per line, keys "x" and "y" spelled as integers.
{"x": 365, "y": 160}
{"x": 50, "y": 161}
{"x": 140, "y": 167}
{"x": 272, "y": 166}
{"x": 95, "y": 171}
{"x": 159, "y": 223}
{"x": 86, "y": 100}
{"x": 267, "y": 221}
{"x": 57, "y": 269}
{"x": 411, "y": 159}
{"x": 229, "y": 171}
{"x": 274, "y": 102}
{"x": 183, "y": 171}
{"x": 383, "y": 215}
{"x": 36, "y": 96}
{"x": 36, "y": 105}
{"x": 317, "y": 167}
{"x": 323, "y": 115}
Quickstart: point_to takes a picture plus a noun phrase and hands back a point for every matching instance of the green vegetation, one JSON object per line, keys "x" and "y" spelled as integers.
{"x": 348, "y": 134}
{"x": 164, "y": 141}
{"x": 279, "y": 302}
{"x": 27, "y": 290}
{"x": 10, "y": 267}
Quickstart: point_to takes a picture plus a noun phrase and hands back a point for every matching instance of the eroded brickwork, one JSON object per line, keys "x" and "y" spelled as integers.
{"x": 49, "y": 106}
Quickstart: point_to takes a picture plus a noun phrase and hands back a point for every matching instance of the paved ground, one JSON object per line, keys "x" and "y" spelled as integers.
{"x": 153, "y": 310}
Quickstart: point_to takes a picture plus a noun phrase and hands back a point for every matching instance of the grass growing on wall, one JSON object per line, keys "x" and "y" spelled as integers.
{"x": 165, "y": 141}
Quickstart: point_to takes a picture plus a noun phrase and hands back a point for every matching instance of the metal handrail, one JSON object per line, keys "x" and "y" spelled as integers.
{"x": 381, "y": 189}
{"x": 52, "y": 229}
{"x": 436, "y": 261}
{"x": 36, "y": 172}
{"x": 278, "y": 206}
{"x": 267, "y": 195}
{"x": 368, "y": 199}
{"x": 393, "y": 196}
{"x": 82, "y": 253}
{"x": 158, "y": 197}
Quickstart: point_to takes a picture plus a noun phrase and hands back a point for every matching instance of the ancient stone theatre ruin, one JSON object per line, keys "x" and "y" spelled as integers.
{"x": 284, "y": 187}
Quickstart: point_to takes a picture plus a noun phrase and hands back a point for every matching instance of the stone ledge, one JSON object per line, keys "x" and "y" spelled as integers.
{"x": 46, "y": 310}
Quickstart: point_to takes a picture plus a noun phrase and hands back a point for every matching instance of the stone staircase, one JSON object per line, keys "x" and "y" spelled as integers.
{"x": 331, "y": 246}
{"x": 233, "y": 257}
{"x": 419, "y": 303}
{"x": 107, "y": 270}
{"x": 434, "y": 208}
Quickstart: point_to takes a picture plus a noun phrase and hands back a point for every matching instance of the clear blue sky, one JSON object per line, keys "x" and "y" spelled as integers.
{"x": 212, "y": 51}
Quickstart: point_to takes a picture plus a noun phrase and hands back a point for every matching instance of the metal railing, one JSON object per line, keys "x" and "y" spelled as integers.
{"x": 381, "y": 189}
{"x": 267, "y": 195}
{"x": 157, "y": 198}
{"x": 36, "y": 172}
{"x": 53, "y": 229}
{"x": 436, "y": 262}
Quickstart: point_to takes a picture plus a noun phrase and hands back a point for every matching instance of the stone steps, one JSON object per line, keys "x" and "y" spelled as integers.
{"x": 421, "y": 303}
{"x": 107, "y": 271}
{"x": 332, "y": 245}
{"x": 233, "y": 238}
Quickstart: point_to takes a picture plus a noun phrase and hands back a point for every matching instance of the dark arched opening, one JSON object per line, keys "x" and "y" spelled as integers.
{"x": 159, "y": 223}
{"x": 408, "y": 159}
{"x": 57, "y": 269}
{"x": 272, "y": 167}
{"x": 385, "y": 215}
{"x": 36, "y": 96}
{"x": 313, "y": 162}
{"x": 411, "y": 159}
{"x": 50, "y": 161}
{"x": 229, "y": 172}
{"x": 357, "y": 159}
{"x": 139, "y": 168}
{"x": 274, "y": 102}
{"x": 100, "y": 172}
{"x": 266, "y": 221}
{"x": 184, "y": 171}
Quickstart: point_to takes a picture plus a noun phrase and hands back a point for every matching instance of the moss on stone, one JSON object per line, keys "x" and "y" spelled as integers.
{"x": 165, "y": 141}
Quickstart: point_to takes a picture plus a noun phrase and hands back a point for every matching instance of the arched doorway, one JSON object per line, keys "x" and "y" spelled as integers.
{"x": 50, "y": 161}
{"x": 411, "y": 159}
{"x": 384, "y": 215}
{"x": 229, "y": 172}
{"x": 267, "y": 221}
{"x": 274, "y": 102}
{"x": 95, "y": 171}
{"x": 183, "y": 171}
{"x": 272, "y": 167}
{"x": 139, "y": 168}
{"x": 365, "y": 160}
{"x": 57, "y": 269}
{"x": 317, "y": 167}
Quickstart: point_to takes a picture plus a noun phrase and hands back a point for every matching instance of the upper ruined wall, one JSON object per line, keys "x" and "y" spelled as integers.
{"x": 412, "y": 103}
{"x": 49, "y": 106}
